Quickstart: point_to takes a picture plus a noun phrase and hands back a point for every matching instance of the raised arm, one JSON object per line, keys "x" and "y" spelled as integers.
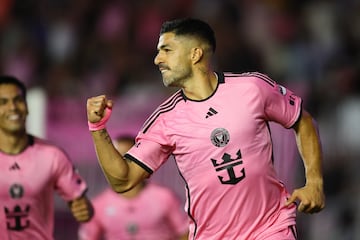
{"x": 311, "y": 196}
{"x": 122, "y": 174}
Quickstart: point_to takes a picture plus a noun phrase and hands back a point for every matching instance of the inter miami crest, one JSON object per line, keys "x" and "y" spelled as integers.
{"x": 132, "y": 228}
{"x": 220, "y": 137}
{"x": 16, "y": 191}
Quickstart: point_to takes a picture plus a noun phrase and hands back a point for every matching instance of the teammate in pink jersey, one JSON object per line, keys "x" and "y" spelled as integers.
{"x": 31, "y": 170}
{"x": 217, "y": 128}
{"x": 146, "y": 212}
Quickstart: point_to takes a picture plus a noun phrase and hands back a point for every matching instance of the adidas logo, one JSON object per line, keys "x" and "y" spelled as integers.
{"x": 211, "y": 112}
{"x": 15, "y": 166}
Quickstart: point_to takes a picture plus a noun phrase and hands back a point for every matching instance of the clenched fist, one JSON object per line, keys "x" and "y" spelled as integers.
{"x": 96, "y": 107}
{"x": 82, "y": 209}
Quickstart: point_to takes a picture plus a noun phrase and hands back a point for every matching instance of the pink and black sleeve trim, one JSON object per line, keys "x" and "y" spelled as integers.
{"x": 141, "y": 164}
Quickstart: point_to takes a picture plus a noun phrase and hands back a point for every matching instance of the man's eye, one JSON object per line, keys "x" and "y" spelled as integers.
{"x": 19, "y": 99}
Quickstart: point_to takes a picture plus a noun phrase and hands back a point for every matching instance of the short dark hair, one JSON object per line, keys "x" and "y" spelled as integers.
{"x": 5, "y": 79}
{"x": 190, "y": 26}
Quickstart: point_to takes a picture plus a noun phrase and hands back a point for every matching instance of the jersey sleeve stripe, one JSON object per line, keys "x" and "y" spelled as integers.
{"x": 167, "y": 103}
{"x": 261, "y": 76}
{"x": 165, "y": 107}
{"x": 141, "y": 164}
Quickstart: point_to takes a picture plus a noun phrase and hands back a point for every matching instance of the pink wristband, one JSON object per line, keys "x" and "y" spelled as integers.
{"x": 101, "y": 124}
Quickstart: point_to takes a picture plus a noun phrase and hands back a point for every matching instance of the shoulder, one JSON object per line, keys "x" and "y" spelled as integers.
{"x": 165, "y": 108}
{"x": 47, "y": 148}
{"x": 44, "y": 144}
{"x": 170, "y": 103}
{"x": 248, "y": 77}
{"x": 253, "y": 83}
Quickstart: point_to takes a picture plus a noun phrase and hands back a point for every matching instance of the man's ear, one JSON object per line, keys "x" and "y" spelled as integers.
{"x": 196, "y": 54}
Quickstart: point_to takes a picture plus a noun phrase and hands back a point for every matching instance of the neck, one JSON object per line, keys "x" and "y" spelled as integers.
{"x": 13, "y": 143}
{"x": 201, "y": 86}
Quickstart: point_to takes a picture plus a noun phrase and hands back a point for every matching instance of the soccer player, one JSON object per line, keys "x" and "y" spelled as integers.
{"x": 146, "y": 212}
{"x": 217, "y": 128}
{"x": 31, "y": 170}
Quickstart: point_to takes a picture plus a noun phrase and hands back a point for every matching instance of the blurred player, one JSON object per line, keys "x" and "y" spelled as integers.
{"x": 31, "y": 170}
{"x": 146, "y": 212}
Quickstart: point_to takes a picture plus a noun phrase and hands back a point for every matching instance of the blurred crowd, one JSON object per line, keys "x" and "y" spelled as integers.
{"x": 76, "y": 49}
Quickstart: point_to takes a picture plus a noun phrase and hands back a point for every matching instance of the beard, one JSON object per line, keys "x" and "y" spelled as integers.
{"x": 176, "y": 78}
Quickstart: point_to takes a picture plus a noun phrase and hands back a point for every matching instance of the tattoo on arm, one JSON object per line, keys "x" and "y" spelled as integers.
{"x": 105, "y": 135}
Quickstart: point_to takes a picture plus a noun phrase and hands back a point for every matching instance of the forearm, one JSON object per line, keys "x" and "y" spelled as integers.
{"x": 114, "y": 166}
{"x": 309, "y": 146}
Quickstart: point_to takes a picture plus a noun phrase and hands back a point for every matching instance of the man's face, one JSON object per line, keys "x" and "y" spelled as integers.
{"x": 174, "y": 59}
{"x": 13, "y": 109}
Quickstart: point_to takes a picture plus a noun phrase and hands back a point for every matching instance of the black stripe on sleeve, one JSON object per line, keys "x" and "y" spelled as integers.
{"x": 261, "y": 76}
{"x": 167, "y": 103}
{"x": 146, "y": 168}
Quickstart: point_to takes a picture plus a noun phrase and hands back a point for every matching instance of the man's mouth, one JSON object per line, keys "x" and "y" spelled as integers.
{"x": 14, "y": 117}
{"x": 163, "y": 68}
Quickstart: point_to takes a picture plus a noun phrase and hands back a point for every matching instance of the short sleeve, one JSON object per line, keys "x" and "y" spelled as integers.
{"x": 68, "y": 183}
{"x": 281, "y": 105}
{"x": 152, "y": 148}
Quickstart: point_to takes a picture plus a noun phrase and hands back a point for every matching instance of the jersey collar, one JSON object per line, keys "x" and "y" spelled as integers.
{"x": 221, "y": 79}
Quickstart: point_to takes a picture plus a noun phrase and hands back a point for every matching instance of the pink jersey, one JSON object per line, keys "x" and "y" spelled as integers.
{"x": 27, "y": 184}
{"x": 223, "y": 150}
{"x": 154, "y": 214}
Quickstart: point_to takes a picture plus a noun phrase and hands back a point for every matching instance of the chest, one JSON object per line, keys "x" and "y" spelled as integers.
{"x": 222, "y": 135}
{"x": 24, "y": 177}
{"x": 225, "y": 119}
